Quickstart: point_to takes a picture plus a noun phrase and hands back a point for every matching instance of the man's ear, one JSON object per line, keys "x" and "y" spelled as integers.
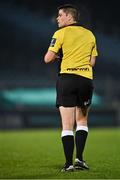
{"x": 69, "y": 16}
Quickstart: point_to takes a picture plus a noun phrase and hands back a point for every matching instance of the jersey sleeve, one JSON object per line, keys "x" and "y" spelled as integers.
{"x": 56, "y": 42}
{"x": 94, "y": 50}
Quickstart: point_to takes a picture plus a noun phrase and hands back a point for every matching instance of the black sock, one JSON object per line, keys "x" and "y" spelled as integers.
{"x": 68, "y": 145}
{"x": 80, "y": 140}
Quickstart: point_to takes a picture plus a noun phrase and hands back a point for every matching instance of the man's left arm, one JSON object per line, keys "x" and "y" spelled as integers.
{"x": 92, "y": 61}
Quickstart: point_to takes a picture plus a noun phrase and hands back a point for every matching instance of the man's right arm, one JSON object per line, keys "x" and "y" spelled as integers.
{"x": 50, "y": 56}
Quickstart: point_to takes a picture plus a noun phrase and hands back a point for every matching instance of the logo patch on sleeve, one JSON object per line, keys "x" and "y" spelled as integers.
{"x": 52, "y": 42}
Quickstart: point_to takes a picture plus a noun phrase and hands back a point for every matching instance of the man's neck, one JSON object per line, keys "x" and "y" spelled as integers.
{"x": 71, "y": 22}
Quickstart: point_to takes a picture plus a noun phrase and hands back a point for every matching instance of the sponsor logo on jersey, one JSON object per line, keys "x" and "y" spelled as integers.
{"x": 52, "y": 42}
{"x": 78, "y": 69}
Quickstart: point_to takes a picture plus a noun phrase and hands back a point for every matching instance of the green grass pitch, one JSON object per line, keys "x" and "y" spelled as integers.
{"x": 38, "y": 154}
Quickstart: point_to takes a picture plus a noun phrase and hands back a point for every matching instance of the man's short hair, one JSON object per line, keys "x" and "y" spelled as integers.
{"x": 69, "y": 8}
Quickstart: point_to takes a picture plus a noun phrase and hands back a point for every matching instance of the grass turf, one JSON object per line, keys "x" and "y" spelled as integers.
{"x": 38, "y": 154}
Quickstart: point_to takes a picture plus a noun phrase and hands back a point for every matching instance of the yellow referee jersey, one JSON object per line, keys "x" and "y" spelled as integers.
{"x": 78, "y": 45}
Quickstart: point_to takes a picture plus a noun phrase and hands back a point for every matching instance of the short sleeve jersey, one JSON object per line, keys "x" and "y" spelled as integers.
{"x": 78, "y": 45}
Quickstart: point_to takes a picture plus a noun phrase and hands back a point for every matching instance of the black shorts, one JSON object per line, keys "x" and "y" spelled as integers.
{"x": 73, "y": 90}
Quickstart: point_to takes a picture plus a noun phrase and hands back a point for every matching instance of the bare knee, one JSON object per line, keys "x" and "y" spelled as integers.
{"x": 68, "y": 117}
{"x": 82, "y": 116}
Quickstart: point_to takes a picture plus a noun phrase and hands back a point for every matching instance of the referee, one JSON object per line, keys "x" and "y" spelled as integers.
{"x": 74, "y": 85}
